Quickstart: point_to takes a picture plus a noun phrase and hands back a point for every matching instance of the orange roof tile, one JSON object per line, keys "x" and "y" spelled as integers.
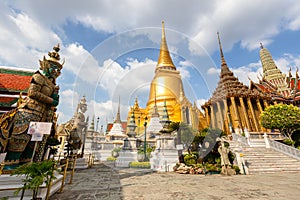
{"x": 14, "y": 82}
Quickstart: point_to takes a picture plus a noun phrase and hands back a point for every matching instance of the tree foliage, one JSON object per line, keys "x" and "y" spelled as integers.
{"x": 285, "y": 118}
{"x": 184, "y": 131}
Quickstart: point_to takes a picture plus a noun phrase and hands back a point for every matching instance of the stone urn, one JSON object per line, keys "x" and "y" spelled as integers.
{"x": 140, "y": 157}
{"x": 115, "y": 154}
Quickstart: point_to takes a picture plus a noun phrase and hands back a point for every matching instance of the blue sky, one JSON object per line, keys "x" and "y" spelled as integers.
{"x": 111, "y": 47}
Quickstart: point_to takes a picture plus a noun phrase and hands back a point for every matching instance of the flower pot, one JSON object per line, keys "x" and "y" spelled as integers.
{"x": 115, "y": 154}
{"x": 140, "y": 157}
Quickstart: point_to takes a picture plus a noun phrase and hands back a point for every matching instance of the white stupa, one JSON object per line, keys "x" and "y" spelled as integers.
{"x": 117, "y": 133}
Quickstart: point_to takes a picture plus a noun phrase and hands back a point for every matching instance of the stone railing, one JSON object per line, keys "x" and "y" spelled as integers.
{"x": 283, "y": 148}
{"x": 239, "y": 138}
{"x": 271, "y": 135}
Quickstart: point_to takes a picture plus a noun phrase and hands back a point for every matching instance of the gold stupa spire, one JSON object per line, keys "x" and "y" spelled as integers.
{"x": 164, "y": 59}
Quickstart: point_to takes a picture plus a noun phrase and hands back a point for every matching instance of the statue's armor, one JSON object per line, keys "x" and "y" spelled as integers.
{"x": 36, "y": 107}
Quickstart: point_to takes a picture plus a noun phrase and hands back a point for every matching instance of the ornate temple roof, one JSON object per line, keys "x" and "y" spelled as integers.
{"x": 14, "y": 80}
{"x": 164, "y": 59}
{"x": 275, "y": 83}
{"x": 271, "y": 73}
{"x": 230, "y": 86}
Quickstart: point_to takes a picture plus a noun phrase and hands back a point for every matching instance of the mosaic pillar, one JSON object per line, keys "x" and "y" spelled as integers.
{"x": 212, "y": 114}
{"x": 248, "y": 126}
{"x": 253, "y": 114}
{"x": 220, "y": 116}
{"x": 239, "y": 125}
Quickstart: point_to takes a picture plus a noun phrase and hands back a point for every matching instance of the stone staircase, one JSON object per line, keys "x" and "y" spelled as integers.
{"x": 259, "y": 159}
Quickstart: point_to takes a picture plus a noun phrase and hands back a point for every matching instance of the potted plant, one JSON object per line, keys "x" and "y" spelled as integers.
{"x": 36, "y": 173}
{"x": 115, "y": 152}
{"x": 140, "y": 154}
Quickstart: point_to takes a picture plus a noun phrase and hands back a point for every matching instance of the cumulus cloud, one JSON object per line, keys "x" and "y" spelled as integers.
{"x": 28, "y": 29}
{"x": 213, "y": 70}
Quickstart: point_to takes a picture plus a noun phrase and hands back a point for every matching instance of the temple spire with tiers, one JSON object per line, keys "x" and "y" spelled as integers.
{"x": 117, "y": 133}
{"x": 271, "y": 73}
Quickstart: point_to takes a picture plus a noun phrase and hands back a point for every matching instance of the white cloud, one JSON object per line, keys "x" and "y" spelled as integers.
{"x": 201, "y": 102}
{"x": 28, "y": 29}
{"x": 237, "y": 21}
{"x": 213, "y": 70}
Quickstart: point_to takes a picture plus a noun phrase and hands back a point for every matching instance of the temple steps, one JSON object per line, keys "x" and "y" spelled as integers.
{"x": 263, "y": 160}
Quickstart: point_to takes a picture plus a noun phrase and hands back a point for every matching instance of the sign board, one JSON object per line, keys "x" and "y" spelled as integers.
{"x": 2, "y": 157}
{"x": 179, "y": 146}
{"x": 38, "y": 129}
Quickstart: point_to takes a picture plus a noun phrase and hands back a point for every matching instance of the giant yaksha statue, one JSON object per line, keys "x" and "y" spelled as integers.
{"x": 76, "y": 127}
{"x": 39, "y": 106}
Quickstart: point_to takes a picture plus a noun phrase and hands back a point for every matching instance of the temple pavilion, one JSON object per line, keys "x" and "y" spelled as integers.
{"x": 233, "y": 106}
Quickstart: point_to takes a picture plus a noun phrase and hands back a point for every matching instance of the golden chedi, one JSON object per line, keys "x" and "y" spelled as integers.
{"x": 167, "y": 89}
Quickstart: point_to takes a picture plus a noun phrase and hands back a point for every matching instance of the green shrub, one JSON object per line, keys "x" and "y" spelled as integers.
{"x": 190, "y": 159}
{"x": 144, "y": 165}
{"x": 212, "y": 168}
{"x": 236, "y": 168}
{"x": 288, "y": 142}
{"x": 111, "y": 158}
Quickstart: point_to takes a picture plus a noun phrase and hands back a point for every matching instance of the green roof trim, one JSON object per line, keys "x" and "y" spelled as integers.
{"x": 9, "y": 104}
{"x": 21, "y": 73}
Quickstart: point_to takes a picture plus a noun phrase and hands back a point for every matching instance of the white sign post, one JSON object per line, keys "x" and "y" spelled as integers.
{"x": 37, "y": 130}
{"x": 2, "y": 157}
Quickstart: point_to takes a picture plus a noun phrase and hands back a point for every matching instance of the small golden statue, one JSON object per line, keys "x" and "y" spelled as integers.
{"x": 39, "y": 106}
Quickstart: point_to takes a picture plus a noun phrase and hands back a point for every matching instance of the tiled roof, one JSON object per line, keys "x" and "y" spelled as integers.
{"x": 110, "y": 125}
{"x": 14, "y": 82}
{"x": 8, "y": 101}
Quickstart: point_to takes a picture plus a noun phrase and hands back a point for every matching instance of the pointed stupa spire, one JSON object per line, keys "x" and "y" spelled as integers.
{"x": 271, "y": 72}
{"x": 118, "y": 117}
{"x": 155, "y": 111}
{"x": 92, "y": 127}
{"x": 164, "y": 59}
{"x": 136, "y": 104}
{"x": 165, "y": 115}
{"x": 131, "y": 125}
{"x": 224, "y": 67}
{"x": 165, "y": 120}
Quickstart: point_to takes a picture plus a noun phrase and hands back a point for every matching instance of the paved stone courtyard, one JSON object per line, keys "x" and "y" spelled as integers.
{"x": 105, "y": 182}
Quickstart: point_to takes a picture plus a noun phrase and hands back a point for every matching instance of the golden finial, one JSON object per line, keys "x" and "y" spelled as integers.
{"x": 164, "y": 59}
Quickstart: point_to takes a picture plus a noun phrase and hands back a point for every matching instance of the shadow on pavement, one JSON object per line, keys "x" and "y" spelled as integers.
{"x": 102, "y": 181}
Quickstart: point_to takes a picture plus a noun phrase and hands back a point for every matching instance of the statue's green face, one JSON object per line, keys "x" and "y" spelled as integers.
{"x": 53, "y": 71}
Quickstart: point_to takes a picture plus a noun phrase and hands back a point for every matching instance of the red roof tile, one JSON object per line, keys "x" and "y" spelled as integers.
{"x": 8, "y": 101}
{"x": 14, "y": 82}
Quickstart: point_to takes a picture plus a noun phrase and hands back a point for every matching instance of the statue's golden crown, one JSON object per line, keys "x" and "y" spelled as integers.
{"x": 55, "y": 57}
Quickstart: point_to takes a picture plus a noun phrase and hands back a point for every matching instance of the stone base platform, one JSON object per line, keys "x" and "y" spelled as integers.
{"x": 9, "y": 184}
{"x": 125, "y": 157}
